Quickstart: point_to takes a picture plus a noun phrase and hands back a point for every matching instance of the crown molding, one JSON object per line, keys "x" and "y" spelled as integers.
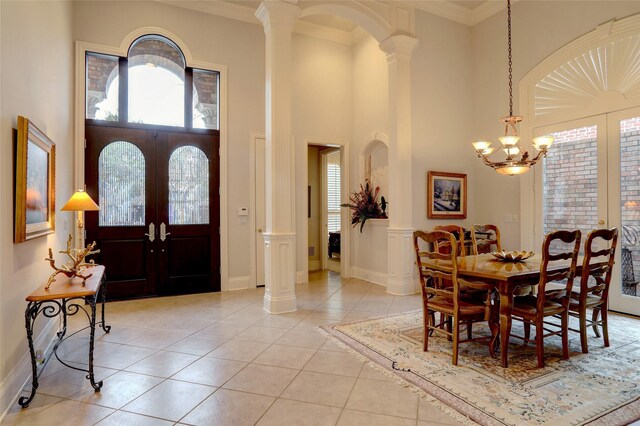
{"x": 456, "y": 13}
{"x": 442, "y": 8}
{"x": 218, "y": 8}
{"x": 325, "y": 33}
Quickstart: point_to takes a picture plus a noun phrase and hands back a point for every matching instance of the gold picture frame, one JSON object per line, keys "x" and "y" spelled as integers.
{"x": 35, "y": 175}
{"x": 446, "y": 195}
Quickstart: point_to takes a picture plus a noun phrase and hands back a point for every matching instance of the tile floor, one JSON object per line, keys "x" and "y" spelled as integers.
{"x": 219, "y": 359}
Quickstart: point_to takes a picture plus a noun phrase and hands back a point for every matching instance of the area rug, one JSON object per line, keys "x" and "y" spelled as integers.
{"x": 598, "y": 388}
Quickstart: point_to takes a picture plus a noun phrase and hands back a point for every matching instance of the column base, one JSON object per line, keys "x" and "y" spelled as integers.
{"x": 280, "y": 305}
{"x": 401, "y": 267}
{"x": 280, "y": 273}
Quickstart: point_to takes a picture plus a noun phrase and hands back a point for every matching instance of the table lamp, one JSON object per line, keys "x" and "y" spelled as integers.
{"x": 80, "y": 202}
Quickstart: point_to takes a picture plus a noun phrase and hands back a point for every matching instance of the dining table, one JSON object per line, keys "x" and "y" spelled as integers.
{"x": 509, "y": 278}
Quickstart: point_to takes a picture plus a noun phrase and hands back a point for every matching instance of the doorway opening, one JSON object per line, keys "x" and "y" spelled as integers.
{"x": 587, "y": 183}
{"x": 324, "y": 214}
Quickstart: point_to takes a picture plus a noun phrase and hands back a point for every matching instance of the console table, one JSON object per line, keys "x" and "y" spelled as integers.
{"x": 66, "y": 296}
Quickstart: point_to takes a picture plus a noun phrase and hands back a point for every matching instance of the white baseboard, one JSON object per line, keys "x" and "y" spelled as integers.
{"x": 20, "y": 375}
{"x": 238, "y": 283}
{"x": 301, "y": 277}
{"x": 379, "y": 278}
{"x": 315, "y": 265}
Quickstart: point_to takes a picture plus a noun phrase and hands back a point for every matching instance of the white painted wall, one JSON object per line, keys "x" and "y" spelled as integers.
{"x": 539, "y": 29}
{"x": 321, "y": 105}
{"x": 370, "y": 115}
{"x": 442, "y": 111}
{"x": 37, "y": 82}
{"x": 239, "y": 46}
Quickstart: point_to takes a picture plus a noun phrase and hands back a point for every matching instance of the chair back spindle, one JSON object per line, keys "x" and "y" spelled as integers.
{"x": 484, "y": 237}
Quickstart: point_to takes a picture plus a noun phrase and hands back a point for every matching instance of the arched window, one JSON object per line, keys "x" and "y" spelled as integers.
{"x": 156, "y": 82}
{"x": 121, "y": 183}
{"x": 158, "y": 87}
{"x": 188, "y": 187}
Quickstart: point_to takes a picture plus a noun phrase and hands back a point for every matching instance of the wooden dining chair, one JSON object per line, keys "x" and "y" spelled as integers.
{"x": 484, "y": 237}
{"x": 458, "y": 233}
{"x": 444, "y": 299}
{"x": 597, "y": 267}
{"x": 558, "y": 247}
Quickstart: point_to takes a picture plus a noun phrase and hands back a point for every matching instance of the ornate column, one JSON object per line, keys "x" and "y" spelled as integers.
{"x": 399, "y": 49}
{"x": 278, "y": 18}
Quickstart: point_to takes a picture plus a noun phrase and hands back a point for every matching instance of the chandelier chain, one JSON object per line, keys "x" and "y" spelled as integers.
{"x": 510, "y": 63}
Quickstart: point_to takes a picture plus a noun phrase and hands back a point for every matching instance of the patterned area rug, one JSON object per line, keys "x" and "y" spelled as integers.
{"x": 601, "y": 387}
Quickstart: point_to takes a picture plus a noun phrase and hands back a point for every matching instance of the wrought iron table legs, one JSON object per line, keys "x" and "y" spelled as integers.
{"x": 50, "y": 309}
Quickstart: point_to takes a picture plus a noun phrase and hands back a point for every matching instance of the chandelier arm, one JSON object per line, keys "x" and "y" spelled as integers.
{"x": 541, "y": 154}
{"x": 492, "y": 164}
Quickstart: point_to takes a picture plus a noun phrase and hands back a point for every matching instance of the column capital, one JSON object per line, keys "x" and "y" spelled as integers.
{"x": 398, "y": 45}
{"x": 278, "y": 13}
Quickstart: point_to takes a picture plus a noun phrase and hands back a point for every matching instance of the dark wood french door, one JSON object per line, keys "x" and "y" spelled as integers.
{"x": 158, "y": 227}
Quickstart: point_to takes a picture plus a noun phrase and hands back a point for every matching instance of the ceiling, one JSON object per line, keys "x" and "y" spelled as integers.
{"x": 468, "y": 12}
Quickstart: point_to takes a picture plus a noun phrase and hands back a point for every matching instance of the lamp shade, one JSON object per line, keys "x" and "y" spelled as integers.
{"x": 80, "y": 201}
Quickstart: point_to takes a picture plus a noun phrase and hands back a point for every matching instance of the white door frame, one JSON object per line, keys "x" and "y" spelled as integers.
{"x": 345, "y": 257}
{"x": 253, "y": 137}
{"x": 617, "y": 300}
{"x": 609, "y": 190}
{"x": 79, "y": 142}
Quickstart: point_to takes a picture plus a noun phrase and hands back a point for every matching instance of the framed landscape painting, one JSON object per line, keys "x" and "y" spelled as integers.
{"x": 446, "y": 195}
{"x": 34, "y": 183}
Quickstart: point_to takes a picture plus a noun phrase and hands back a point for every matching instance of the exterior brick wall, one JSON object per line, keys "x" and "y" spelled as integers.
{"x": 571, "y": 181}
{"x": 571, "y": 184}
{"x": 101, "y": 70}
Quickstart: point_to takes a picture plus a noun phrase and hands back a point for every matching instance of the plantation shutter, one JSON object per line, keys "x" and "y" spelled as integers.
{"x": 333, "y": 191}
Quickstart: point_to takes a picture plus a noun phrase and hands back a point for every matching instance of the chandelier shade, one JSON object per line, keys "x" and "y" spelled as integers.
{"x": 517, "y": 161}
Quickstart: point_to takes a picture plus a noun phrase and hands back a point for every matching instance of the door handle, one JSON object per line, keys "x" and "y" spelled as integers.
{"x": 259, "y": 230}
{"x": 152, "y": 232}
{"x": 163, "y": 232}
{"x": 601, "y": 222}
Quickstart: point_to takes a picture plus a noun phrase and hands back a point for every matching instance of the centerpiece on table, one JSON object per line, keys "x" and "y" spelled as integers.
{"x": 365, "y": 205}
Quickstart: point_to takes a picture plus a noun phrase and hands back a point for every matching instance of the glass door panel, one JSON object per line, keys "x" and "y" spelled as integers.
{"x": 630, "y": 204}
{"x": 624, "y": 205}
{"x": 573, "y": 178}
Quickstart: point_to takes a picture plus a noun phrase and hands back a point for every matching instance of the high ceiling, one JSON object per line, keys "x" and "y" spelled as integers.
{"x": 468, "y": 12}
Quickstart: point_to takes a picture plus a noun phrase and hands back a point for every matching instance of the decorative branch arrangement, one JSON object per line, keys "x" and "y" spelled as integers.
{"x": 365, "y": 205}
{"x": 75, "y": 266}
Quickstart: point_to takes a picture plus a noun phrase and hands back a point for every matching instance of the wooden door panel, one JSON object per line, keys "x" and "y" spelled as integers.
{"x": 134, "y": 265}
{"x": 189, "y": 256}
{"x": 189, "y": 259}
{"x": 125, "y": 250}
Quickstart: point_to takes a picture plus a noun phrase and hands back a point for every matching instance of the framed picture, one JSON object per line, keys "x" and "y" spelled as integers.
{"x": 446, "y": 195}
{"x": 34, "y": 183}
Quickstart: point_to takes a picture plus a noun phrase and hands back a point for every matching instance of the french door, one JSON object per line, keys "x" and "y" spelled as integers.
{"x": 591, "y": 179}
{"x": 158, "y": 224}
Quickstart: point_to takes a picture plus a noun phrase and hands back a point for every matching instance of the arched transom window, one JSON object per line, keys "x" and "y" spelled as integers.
{"x": 151, "y": 86}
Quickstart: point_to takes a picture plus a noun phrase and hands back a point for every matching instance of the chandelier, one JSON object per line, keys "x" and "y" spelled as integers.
{"x": 517, "y": 161}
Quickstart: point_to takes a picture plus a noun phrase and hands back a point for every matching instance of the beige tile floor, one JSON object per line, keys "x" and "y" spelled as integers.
{"x": 219, "y": 359}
